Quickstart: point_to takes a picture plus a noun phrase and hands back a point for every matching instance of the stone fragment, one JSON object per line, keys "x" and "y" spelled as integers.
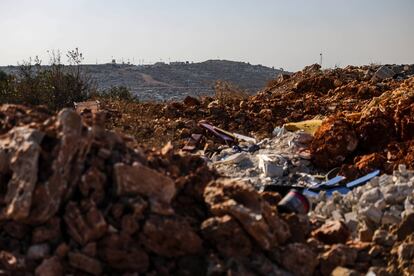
{"x": 337, "y": 255}
{"x": 389, "y": 218}
{"x": 383, "y": 73}
{"x": 343, "y": 271}
{"x": 365, "y": 234}
{"x": 84, "y": 224}
{"x": 38, "y": 251}
{"x": 371, "y": 214}
{"x": 62, "y": 250}
{"x": 406, "y": 227}
{"x": 50, "y": 267}
{"x": 63, "y": 174}
{"x": 92, "y": 185}
{"x": 20, "y": 150}
{"x": 47, "y": 232}
{"x": 299, "y": 226}
{"x": 332, "y": 232}
{"x": 351, "y": 220}
{"x": 371, "y": 196}
{"x": 157, "y": 236}
{"x": 299, "y": 259}
{"x": 406, "y": 252}
{"x": 90, "y": 249}
{"x": 227, "y": 235}
{"x": 123, "y": 254}
{"x": 241, "y": 201}
{"x": 383, "y": 237}
{"x": 141, "y": 180}
{"x": 260, "y": 264}
{"x": 85, "y": 263}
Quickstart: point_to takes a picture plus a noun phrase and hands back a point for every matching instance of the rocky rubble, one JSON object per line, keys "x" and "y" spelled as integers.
{"x": 378, "y": 137}
{"x": 280, "y": 160}
{"x": 380, "y": 213}
{"x": 75, "y": 199}
{"x": 360, "y": 102}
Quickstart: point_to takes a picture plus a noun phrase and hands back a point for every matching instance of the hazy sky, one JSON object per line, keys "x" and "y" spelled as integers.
{"x": 288, "y": 34}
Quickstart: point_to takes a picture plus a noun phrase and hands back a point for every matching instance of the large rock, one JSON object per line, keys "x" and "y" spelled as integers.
{"x": 332, "y": 232}
{"x": 383, "y": 72}
{"x": 85, "y": 263}
{"x": 337, "y": 255}
{"x": 66, "y": 168}
{"x": 170, "y": 236}
{"x": 406, "y": 227}
{"x": 141, "y": 180}
{"x": 299, "y": 259}
{"x": 19, "y": 155}
{"x": 123, "y": 253}
{"x": 84, "y": 224}
{"x": 227, "y": 235}
{"x": 50, "y": 267}
{"x": 242, "y": 201}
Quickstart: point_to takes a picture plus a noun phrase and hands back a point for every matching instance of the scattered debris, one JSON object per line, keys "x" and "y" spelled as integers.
{"x": 80, "y": 199}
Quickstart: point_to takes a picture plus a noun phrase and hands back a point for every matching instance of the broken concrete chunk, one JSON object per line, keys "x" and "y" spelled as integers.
{"x": 270, "y": 167}
{"x": 372, "y": 214}
{"x": 371, "y": 196}
{"x": 383, "y": 73}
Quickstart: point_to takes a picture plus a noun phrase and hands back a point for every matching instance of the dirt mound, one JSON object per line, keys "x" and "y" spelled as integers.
{"x": 382, "y": 133}
{"x": 301, "y": 96}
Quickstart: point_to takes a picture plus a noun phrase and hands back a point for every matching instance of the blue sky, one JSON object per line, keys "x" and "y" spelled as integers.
{"x": 288, "y": 34}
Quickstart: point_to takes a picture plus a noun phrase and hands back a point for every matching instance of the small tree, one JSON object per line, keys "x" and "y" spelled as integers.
{"x": 55, "y": 85}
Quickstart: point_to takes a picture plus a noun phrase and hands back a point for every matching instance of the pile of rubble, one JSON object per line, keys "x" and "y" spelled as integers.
{"x": 380, "y": 213}
{"x": 379, "y": 136}
{"x": 77, "y": 200}
{"x": 280, "y": 160}
{"x": 304, "y": 95}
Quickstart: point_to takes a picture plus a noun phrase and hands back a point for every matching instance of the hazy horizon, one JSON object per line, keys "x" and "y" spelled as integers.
{"x": 272, "y": 33}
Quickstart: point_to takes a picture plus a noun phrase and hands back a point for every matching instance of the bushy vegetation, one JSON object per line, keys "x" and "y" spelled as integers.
{"x": 55, "y": 86}
{"x": 118, "y": 93}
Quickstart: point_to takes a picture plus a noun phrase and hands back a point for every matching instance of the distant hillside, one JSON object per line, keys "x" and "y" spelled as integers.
{"x": 175, "y": 81}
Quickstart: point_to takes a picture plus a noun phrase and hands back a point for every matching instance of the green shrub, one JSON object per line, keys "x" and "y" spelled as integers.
{"x": 55, "y": 86}
{"x": 119, "y": 93}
